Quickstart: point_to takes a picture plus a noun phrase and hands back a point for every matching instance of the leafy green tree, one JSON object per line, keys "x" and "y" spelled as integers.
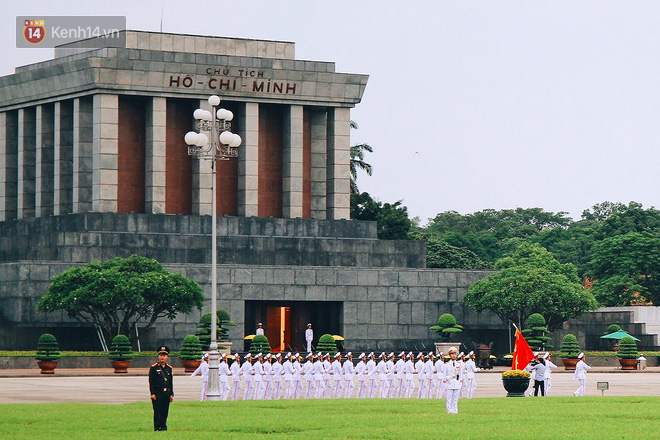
{"x": 446, "y": 326}
{"x": 114, "y": 295}
{"x": 440, "y": 254}
{"x": 535, "y": 333}
{"x": 626, "y": 269}
{"x": 392, "y": 218}
{"x": 204, "y": 327}
{"x": 531, "y": 280}
{"x": 357, "y": 161}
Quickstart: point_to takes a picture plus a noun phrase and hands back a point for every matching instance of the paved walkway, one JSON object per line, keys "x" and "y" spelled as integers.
{"x": 100, "y": 385}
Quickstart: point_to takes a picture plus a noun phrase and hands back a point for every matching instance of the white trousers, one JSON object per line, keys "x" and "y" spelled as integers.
{"x": 339, "y": 388}
{"x": 224, "y": 390}
{"x": 236, "y": 389}
{"x": 290, "y": 389}
{"x": 548, "y": 385}
{"x": 348, "y": 387}
{"x": 249, "y": 390}
{"x": 205, "y": 385}
{"x": 452, "y": 400}
{"x": 471, "y": 385}
{"x": 583, "y": 385}
{"x": 362, "y": 389}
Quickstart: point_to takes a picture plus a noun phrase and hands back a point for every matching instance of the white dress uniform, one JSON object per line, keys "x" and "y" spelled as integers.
{"x": 409, "y": 377}
{"x": 268, "y": 380}
{"x": 430, "y": 381}
{"x": 453, "y": 388}
{"x": 308, "y": 371}
{"x": 372, "y": 381}
{"x": 391, "y": 388}
{"x": 442, "y": 381}
{"x": 337, "y": 374}
{"x": 581, "y": 375}
{"x": 259, "y": 384}
{"x": 278, "y": 376}
{"x": 348, "y": 374}
{"x": 327, "y": 379}
{"x": 471, "y": 383}
{"x": 549, "y": 365}
{"x": 247, "y": 370}
{"x": 260, "y": 331}
{"x": 223, "y": 377}
{"x": 319, "y": 371}
{"x": 236, "y": 386}
{"x": 289, "y": 383}
{"x": 383, "y": 372}
{"x": 309, "y": 336}
{"x": 420, "y": 369}
{"x": 361, "y": 372}
{"x": 203, "y": 371}
{"x": 400, "y": 376}
{"x": 297, "y": 379}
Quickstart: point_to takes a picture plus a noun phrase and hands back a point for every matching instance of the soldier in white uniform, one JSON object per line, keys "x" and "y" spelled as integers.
{"x": 203, "y": 370}
{"x": 268, "y": 377}
{"x": 309, "y": 336}
{"x": 532, "y": 377}
{"x": 372, "y": 381}
{"x": 337, "y": 376}
{"x": 400, "y": 375}
{"x": 420, "y": 369}
{"x": 236, "y": 377}
{"x": 470, "y": 368}
{"x": 452, "y": 376}
{"x": 247, "y": 370}
{"x": 327, "y": 376}
{"x": 223, "y": 377}
{"x": 259, "y": 385}
{"x": 440, "y": 373}
{"x": 549, "y": 365}
{"x": 383, "y": 371}
{"x": 278, "y": 377}
{"x": 260, "y": 329}
{"x": 348, "y": 370}
{"x": 288, "y": 372}
{"x": 319, "y": 371}
{"x": 297, "y": 375}
{"x": 430, "y": 381}
{"x": 391, "y": 388}
{"x": 581, "y": 375}
{"x": 361, "y": 373}
{"x": 409, "y": 375}
{"x": 308, "y": 371}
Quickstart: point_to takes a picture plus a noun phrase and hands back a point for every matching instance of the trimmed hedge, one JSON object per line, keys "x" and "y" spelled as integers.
{"x": 47, "y": 348}
{"x": 191, "y": 349}
{"x": 120, "y": 349}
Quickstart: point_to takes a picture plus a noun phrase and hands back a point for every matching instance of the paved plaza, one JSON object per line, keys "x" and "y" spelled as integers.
{"x": 102, "y": 386}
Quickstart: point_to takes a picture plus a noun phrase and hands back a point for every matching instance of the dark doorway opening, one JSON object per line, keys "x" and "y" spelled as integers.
{"x": 285, "y": 322}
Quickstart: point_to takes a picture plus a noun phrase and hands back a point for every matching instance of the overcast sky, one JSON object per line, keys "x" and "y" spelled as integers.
{"x": 470, "y": 104}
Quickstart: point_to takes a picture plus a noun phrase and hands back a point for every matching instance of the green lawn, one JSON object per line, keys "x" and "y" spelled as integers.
{"x": 492, "y": 418}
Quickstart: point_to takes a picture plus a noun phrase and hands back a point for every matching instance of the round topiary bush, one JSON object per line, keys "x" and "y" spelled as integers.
{"x": 326, "y": 344}
{"x": 204, "y": 327}
{"x": 628, "y": 348}
{"x": 260, "y": 344}
{"x": 191, "y": 349}
{"x": 47, "y": 348}
{"x": 612, "y": 328}
{"x": 446, "y": 326}
{"x": 120, "y": 349}
{"x": 535, "y": 333}
{"x": 570, "y": 349}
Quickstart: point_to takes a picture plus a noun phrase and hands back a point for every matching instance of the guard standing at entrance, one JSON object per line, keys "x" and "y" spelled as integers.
{"x": 161, "y": 388}
{"x": 260, "y": 329}
{"x": 309, "y": 336}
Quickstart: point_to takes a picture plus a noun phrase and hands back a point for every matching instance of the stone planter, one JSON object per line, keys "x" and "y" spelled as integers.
{"x": 120, "y": 366}
{"x": 190, "y": 365}
{"x": 47, "y": 367}
{"x": 628, "y": 364}
{"x": 515, "y": 387}
{"x": 443, "y": 347}
{"x": 569, "y": 364}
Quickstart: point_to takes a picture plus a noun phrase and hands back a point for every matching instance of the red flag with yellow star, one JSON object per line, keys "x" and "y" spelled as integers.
{"x": 522, "y": 354}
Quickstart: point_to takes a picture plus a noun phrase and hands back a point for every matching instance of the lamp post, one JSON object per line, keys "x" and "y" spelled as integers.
{"x": 219, "y": 144}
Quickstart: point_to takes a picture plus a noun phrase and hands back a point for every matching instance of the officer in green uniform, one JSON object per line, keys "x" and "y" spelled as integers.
{"x": 161, "y": 388}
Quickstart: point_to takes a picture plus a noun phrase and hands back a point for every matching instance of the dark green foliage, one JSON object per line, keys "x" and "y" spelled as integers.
{"x": 191, "y": 349}
{"x": 612, "y": 328}
{"x": 536, "y": 333}
{"x": 326, "y": 344}
{"x": 120, "y": 349}
{"x": 392, "y": 218}
{"x": 440, "y": 254}
{"x": 203, "y": 331}
{"x": 446, "y": 326}
{"x": 627, "y": 348}
{"x": 47, "y": 348}
{"x": 260, "y": 344}
{"x": 116, "y": 294}
{"x": 570, "y": 349}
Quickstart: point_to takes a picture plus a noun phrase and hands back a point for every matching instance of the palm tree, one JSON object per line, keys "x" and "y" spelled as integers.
{"x": 357, "y": 161}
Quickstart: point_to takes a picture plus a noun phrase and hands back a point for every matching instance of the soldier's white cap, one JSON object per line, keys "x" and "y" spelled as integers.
{"x": 350, "y": 353}
{"x": 279, "y": 355}
{"x": 310, "y": 355}
{"x": 205, "y": 356}
{"x": 391, "y": 354}
{"x": 410, "y": 353}
{"x": 403, "y": 353}
{"x": 223, "y": 355}
{"x": 259, "y": 325}
{"x": 452, "y": 350}
{"x": 337, "y": 355}
{"x": 249, "y": 355}
{"x": 267, "y": 356}
{"x": 431, "y": 353}
{"x": 309, "y": 325}
{"x": 296, "y": 355}
{"x": 461, "y": 354}
{"x": 580, "y": 356}
{"x": 371, "y": 353}
{"x": 471, "y": 353}
{"x": 237, "y": 356}
{"x": 259, "y": 354}
{"x": 545, "y": 356}
{"x": 536, "y": 353}
{"x": 441, "y": 353}
{"x": 362, "y": 356}
{"x": 420, "y": 355}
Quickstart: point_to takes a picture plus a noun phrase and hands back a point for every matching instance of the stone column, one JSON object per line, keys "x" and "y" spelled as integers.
{"x": 83, "y": 153}
{"x": 155, "y": 156}
{"x": 44, "y": 160}
{"x": 8, "y": 164}
{"x": 319, "y": 155}
{"x": 26, "y": 162}
{"x": 63, "y": 151}
{"x": 338, "y": 166}
{"x": 292, "y": 169}
{"x": 202, "y": 175}
{"x": 248, "y": 162}
{"x": 105, "y": 148}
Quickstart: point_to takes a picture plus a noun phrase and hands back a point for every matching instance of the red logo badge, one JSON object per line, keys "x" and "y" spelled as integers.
{"x": 34, "y": 31}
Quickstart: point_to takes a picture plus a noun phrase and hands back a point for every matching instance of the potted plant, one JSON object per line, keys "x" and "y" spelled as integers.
{"x": 612, "y": 344}
{"x": 569, "y": 351}
{"x": 259, "y": 344}
{"x": 120, "y": 353}
{"x": 628, "y": 353}
{"x": 444, "y": 329}
{"x": 536, "y": 333}
{"x": 326, "y": 344}
{"x": 515, "y": 382}
{"x": 47, "y": 353}
{"x": 203, "y": 331}
{"x": 191, "y": 353}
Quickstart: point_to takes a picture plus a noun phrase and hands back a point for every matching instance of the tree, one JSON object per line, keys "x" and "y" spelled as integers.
{"x": 626, "y": 269}
{"x": 446, "y": 326}
{"x": 203, "y": 331}
{"x": 114, "y": 295}
{"x": 357, "y": 161}
{"x": 535, "y": 333}
{"x": 440, "y": 254}
{"x": 531, "y": 280}
{"x": 392, "y": 218}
